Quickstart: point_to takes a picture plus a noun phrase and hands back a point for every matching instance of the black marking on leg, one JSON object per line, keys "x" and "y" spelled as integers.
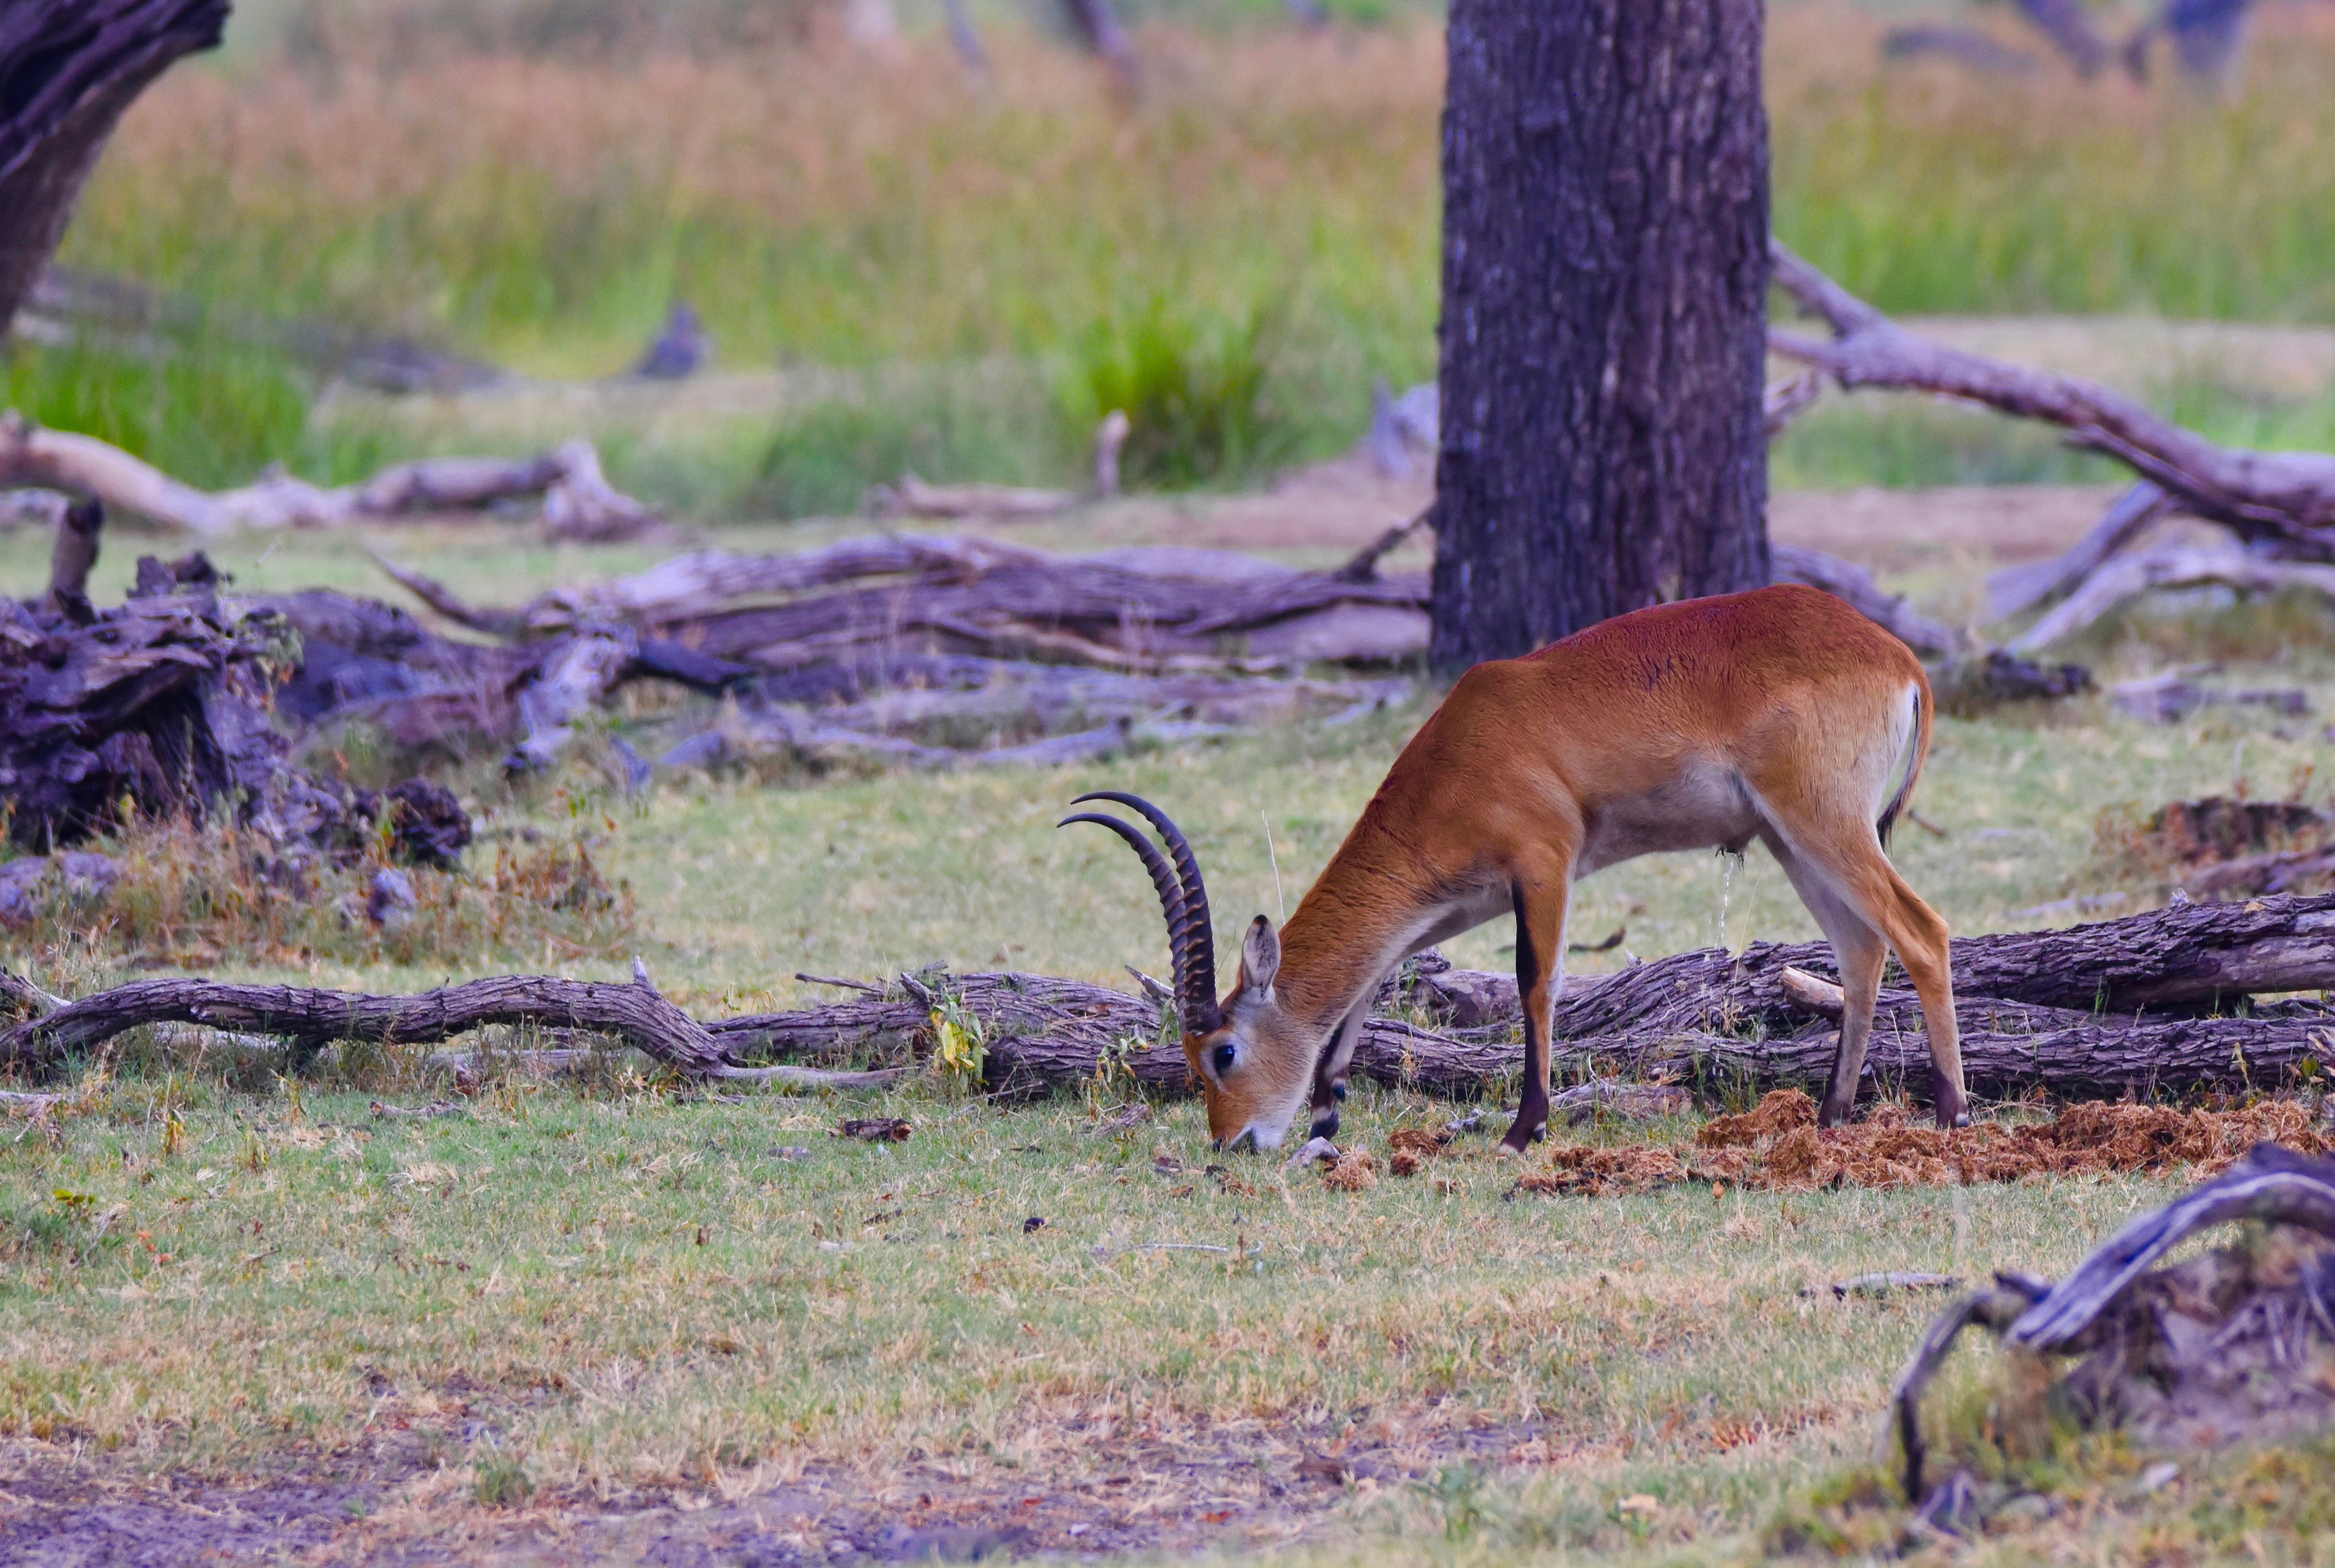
{"x": 1528, "y": 954}
{"x": 1532, "y": 1105}
{"x": 1338, "y": 1089}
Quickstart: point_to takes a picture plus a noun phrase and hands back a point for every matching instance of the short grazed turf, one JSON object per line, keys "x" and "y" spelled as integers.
{"x": 624, "y": 1290}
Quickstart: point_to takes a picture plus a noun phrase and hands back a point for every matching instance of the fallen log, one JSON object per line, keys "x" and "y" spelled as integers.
{"x": 2171, "y": 697}
{"x": 1708, "y": 1020}
{"x": 2015, "y": 590}
{"x": 310, "y": 1018}
{"x": 1144, "y": 609}
{"x": 910, "y": 496}
{"x": 1967, "y": 687}
{"x": 913, "y": 498}
{"x": 2196, "y": 957}
{"x": 69, "y": 305}
{"x": 919, "y": 606}
{"x": 1043, "y": 1032}
{"x": 2126, "y": 578}
{"x": 2286, "y": 499}
{"x": 164, "y": 703}
{"x": 578, "y": 502}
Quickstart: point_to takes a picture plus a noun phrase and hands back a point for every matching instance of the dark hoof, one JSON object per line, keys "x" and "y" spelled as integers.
{"x": 1324, "y": 1125}
{"x": 1961, "y": 1120}
{"x": 1518, "y": 1139}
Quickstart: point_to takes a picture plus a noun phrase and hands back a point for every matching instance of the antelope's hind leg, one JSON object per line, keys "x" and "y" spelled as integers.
{"x": 1861, "y": 953}
{"x": 1848, "y": 864}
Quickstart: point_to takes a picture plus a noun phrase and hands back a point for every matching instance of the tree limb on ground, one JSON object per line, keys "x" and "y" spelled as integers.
{"x": 2126, "y": 578}
{"x": 2015, "y": 590}
{"x": 578, "y": 502}
{"x": 167, "y": 702}
{"x": 2285, "y": 499}
{"x": 2062, "y": 1012}
{"x": 911, "y": 496}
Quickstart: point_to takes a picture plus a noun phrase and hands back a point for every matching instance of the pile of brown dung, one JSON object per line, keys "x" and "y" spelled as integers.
{"x": 1778, "y": 1147}
{"x": 1355, "y": 1171}
{"x": 1414, "y": 1147}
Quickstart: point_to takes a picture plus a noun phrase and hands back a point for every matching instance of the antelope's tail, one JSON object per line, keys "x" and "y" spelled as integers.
{"x": 1924, "y": 706}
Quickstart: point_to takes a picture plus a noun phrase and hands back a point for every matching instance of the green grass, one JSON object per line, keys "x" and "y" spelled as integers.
{"x": 639, "y": 1288}
{"x": 1238, "y": 253}
{"x": 576, "y": 1289}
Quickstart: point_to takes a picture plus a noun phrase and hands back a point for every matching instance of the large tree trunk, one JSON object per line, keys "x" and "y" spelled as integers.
{"x": 68, "y": 68}
{"x": 1604, "y": 286}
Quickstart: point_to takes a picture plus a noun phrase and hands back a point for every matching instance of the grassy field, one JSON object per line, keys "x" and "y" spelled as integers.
{"x": 573, "y": 1299}
{"x": 1235, "y": 256}
{"x": 613, "y": 1316}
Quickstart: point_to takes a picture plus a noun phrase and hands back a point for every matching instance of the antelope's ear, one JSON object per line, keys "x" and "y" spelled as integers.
{"x": 1260, "y": 957}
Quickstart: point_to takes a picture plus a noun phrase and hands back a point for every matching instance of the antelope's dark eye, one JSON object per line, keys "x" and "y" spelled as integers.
{"x": 1226, "y": 1056}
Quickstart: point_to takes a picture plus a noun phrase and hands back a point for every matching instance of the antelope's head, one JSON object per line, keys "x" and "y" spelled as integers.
{"x": 1253, "y": 1060}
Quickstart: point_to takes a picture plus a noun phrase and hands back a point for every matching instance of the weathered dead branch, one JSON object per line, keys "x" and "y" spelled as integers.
{"x": 311, "y": 1019}
{"x": 165, "y": 702}
{"x": 578, "y": 502}
{"x": 2286, "y": 497}
{"x": 2207, "y": 1352}
{"x": 1969, "y": 687}
{"x": 2171, "y": 696}
{"x": 911, "y": 496}
{"x": 1135, "y": 609}
{"x": 2063, "y": 1011}
{"x": 2126, "y": 577}
{"x": 2015, "y": 590}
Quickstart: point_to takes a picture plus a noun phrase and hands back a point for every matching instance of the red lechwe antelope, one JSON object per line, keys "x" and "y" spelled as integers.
{"x": 1780, "y": 715}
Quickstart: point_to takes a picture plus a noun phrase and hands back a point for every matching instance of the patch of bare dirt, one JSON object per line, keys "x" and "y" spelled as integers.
{"x": 1321, "y": 514}
{"x": 1232, "y": 1487}
{"x": 1779, "y": 1146}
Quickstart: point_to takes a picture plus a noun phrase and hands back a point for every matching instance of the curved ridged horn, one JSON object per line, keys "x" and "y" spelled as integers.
{"x": 1194, "y": 935}
{"x": 1163, "y": 876}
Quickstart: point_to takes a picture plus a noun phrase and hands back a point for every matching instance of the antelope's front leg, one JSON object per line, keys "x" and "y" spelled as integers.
{"x": 1540, "y": 955}
{"x": 1330, "y": 1072}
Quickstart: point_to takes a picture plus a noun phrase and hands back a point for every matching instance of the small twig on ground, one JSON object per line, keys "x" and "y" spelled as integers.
{"x": 859, "y": 985}
{"x": 1129, "y": 1116}
{"x": 1886, "y": 1285}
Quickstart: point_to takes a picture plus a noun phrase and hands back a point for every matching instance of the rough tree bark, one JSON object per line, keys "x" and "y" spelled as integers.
{"x": 311, "y": 1019}
{"x": 68, "y": 69}
{"x": 1603, "y": 330}
{"x": 2054, "y": 1011}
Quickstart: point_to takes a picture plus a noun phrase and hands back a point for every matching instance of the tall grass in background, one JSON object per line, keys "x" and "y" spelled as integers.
{"x": 1931, "y": 189}
{"x": 1242, "y": 250}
